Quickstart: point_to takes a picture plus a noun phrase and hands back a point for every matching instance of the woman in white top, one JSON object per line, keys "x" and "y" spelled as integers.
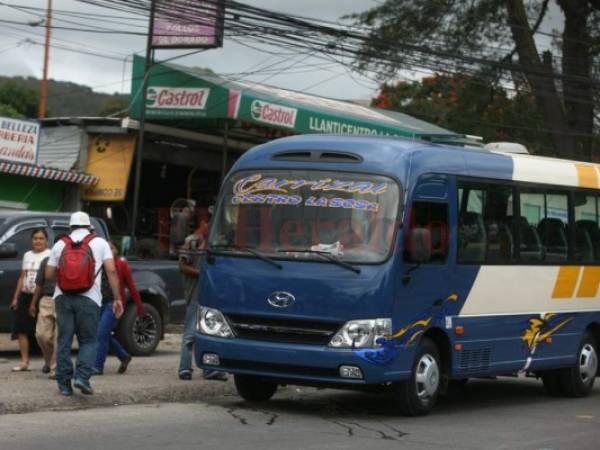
{"x": 24, "y": 324}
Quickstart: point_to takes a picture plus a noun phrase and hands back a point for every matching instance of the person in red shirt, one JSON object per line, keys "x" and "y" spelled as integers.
{"x": 107, "y": 323}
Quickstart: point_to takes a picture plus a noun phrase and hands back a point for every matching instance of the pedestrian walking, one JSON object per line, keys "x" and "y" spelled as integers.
{"x": 190, "y": 263}
{"x": 23, "y": 323}
{"x": 42, "y": 306}
{"x": 107, "y": 341}
{"x": 76, "y": 262}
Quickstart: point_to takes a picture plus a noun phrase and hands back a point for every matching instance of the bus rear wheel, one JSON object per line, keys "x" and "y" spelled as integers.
{"x": 417, "y": 395}
{"x": 578, "y": 380}
{"x": 254, "y": 389}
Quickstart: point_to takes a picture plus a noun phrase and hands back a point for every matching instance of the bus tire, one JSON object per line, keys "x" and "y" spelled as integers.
{"x": 552, "y": 383}
{"x": 254, "y": 389}
{"x": 417, "y": 395}
{"x": 578, "y": 380}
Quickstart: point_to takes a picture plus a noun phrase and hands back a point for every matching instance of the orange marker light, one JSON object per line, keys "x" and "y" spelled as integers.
{"x": 459, "y": 329}
{"x": 549, "y": 340}
{"x": 458, "y": 347}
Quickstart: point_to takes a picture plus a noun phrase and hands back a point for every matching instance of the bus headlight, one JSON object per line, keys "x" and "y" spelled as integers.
{"x": 361, "y": 333}
{"x": 212, "y": 322}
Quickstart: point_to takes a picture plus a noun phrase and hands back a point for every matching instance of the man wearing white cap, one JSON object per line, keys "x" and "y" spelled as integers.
{"x": 78, "y": 260}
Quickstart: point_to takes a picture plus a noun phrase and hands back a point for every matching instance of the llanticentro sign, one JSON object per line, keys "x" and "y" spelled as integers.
{"x": 19, "y": 140}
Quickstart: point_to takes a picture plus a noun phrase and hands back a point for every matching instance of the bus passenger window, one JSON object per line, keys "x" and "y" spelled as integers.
{"x": 587, "y": 234}
{"x": 545, "y": 219}
{"x": 498, "y": 218}
{"x": 471, "y": 229}
{"x": 433, "y": 217}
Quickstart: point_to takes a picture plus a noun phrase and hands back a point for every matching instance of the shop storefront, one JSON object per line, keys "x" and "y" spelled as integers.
{"x": 38, "y": 170}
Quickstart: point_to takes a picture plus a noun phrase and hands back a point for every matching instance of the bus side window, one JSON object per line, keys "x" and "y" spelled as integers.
{"x": 433, "y": 217}
{"x": 471, "y": 229}
{"x": 587, "y": 234}
{"x": 548, "y": 215}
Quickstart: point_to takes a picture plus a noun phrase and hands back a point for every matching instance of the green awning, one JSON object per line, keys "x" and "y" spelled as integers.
{"x": 177, "y": 92}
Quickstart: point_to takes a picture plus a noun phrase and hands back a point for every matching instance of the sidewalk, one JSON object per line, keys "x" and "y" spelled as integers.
{"x": 147, "y": 380}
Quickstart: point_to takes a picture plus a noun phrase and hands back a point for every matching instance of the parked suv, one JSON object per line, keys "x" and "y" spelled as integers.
{"x": 158, "y": 282}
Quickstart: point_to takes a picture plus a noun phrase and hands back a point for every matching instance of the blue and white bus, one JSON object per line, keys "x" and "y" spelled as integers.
{"x": 363, "y": 262}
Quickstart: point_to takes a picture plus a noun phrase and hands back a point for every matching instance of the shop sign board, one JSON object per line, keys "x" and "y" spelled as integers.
{"x": 19, "y": 140}
{"x": 109, "y": 159}
{"x": 273, "y": 114}
{"x": 303, "y": 120}
{"x": 188, "y": 24}
{"x": 165, "y": 97}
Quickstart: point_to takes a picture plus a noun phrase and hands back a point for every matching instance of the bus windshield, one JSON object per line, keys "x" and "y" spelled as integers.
{"x": 293, "y": 214}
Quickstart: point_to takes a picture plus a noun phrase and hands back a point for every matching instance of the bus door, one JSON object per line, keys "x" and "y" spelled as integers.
{"x": 426, "y": 292}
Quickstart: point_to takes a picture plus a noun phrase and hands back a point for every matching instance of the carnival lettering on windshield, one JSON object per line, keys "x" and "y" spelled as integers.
{"x": 254, "y": 189}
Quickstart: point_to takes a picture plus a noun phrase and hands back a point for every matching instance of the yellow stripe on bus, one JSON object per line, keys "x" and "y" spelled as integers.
{"x": 566, "y": 282}
{"x": 590, "y": 281}
{"x": 587, "y": 176}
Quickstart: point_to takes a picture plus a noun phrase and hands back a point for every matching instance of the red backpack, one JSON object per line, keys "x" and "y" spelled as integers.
{"x": 76, "y": 266}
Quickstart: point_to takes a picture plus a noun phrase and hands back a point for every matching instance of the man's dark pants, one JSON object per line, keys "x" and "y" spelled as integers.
{"x": 76, "y": 315}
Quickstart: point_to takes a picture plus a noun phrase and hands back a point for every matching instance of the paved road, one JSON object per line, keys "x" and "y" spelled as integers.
{"x": 505, "y": 414}
{"x": 148, "y": 380}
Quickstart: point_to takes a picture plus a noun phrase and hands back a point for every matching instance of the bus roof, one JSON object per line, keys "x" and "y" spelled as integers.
{"x": 408, "y": 159}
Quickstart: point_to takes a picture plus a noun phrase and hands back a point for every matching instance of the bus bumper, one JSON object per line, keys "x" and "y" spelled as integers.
{"x": 303, "y": 363}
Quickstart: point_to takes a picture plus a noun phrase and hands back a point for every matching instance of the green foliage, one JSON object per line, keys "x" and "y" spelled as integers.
{"x": 18, "y": 98}
{"x": 65, "y": 99}
{"x": 9, "y": 111}
{"x": 470, "y": 106}
{"x": 115, "y": 106}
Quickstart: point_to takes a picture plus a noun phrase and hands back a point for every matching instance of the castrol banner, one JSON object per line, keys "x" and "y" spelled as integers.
{"x": 19, "y": 140}
{"x": 158, "y": 97}
{"x": 273, "y": 114}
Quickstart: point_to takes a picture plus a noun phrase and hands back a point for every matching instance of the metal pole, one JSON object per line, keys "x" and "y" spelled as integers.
{"x": 225, "y": 148}
{"x": 44, "y": 83}
{"x": 142, "y": 122}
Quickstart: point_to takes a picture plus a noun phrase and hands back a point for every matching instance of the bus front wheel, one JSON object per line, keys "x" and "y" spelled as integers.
{"x": 254, "y": 389}
{"x": 417, "y": 395}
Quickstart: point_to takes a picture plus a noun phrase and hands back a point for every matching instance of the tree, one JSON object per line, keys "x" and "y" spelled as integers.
{"x": 9, "y": 111}
{"x": 114, "y": 106}
{"x": 16, "y": 97}
{"x": 469, "y": 105}
{"x": 496, "y": 39}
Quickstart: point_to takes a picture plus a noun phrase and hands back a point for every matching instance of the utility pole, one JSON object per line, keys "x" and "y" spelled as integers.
{"x": 140, "y": 143}
{"x": 44, "y": 84}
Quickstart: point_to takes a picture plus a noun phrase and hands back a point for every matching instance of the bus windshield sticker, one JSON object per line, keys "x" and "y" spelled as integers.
{"x": 256, "y": 183}
{"x": 256, "y": 190}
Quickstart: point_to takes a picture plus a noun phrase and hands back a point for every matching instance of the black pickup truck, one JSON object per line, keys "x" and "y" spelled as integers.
{"x": 158, "y": 282}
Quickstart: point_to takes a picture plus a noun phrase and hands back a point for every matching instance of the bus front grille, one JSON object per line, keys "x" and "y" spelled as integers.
{"x": 290, "y": 331}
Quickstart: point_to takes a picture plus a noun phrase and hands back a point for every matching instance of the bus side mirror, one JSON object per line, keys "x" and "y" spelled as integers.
{"x": 8, "y": 250}
{"x": 419, "y": 245}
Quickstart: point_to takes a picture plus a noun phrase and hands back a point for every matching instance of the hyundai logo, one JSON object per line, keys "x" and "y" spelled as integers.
{"x": 281, "y": 299}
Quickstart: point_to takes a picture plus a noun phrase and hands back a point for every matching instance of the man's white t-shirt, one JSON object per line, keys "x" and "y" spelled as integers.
{"x": 31, "y": 264}
{"x": 101, "y": 251}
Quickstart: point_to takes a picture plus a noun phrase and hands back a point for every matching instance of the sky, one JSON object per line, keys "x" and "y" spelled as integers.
{"x": 18, "y": 56}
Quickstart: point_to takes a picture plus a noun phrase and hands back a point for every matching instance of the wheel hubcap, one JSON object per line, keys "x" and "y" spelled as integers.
{"x": 145, "y": 330}
{"x": 427, "y": 377}
{"x": 588, "y": 363}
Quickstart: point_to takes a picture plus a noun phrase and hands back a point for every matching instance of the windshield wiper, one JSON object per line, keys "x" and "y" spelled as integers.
{"x": 326, "y": 255}
{"x": 250, "y": 250}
